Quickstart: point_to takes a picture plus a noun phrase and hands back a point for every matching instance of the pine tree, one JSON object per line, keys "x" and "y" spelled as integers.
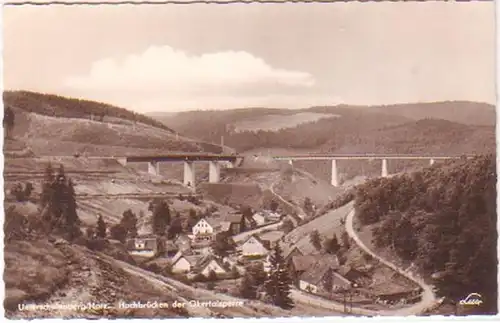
{"x": 161, "y": 217}
{"x": 315, "y": 239}
{"x": 248, "y": 286}
{"x": 328, "y": 281}
{"x": 308, "y": 206}
{"x": 8, "y": 121}
{"x": 47, "y": 186}
{"x": 101, "y": 227}
{"x": 278, "y": 284}
{"x": 346, "y": 242}
{"x": 129, "y": 223}
{"x": 332, "y": 245}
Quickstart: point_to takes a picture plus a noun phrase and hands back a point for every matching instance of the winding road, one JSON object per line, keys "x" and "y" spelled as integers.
{"x": 428, "y": 297}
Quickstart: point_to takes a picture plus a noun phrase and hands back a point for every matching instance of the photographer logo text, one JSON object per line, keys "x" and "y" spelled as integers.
{"x": 473, "y": 299}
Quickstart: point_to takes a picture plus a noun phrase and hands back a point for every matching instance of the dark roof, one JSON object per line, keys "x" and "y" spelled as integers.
{"x": 302, "y": 263}
{"x": 315, "y": 274}
{"x": 271, "y": 236}
{"x": 204, "y": 261}
{"x": 317, "y": 270}
{"x": 289, "y": 250}
{"x": 340, "y": 280}
{"x": 233, "y": 218}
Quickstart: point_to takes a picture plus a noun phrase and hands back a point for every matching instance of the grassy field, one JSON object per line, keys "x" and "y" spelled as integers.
{"x": 275, "y": 122}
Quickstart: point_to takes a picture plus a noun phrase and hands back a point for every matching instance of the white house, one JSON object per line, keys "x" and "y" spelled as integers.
{"x": 253, "y": 246}
{"x": 145, "y": 247}
{"x": 210, "y": 265}
{"x": 259, "y": 218}
{"x": 204, "y": 229}
{"x": 185, "y": 264}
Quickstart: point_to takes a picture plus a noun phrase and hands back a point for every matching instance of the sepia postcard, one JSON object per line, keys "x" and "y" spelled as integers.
{"x": 232, "y": 160}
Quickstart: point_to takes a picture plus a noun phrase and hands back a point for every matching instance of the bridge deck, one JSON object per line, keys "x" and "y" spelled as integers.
{"x": 183, "y": 157}
{"x": 368, "y": 156}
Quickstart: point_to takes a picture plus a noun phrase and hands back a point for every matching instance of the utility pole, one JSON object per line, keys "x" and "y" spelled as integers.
{"x": 345, "y": 302}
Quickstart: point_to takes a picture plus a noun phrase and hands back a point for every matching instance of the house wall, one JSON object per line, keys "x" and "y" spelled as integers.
{"x": 305, "y": 286}
{"x": 143, "y": 253}
{"x": 202, "y": 227}
{"x": 259, "y": 219}
{"x": 181, "y": 266}
{"x": 213, "y": 265}
{"x": 253, "y": 248}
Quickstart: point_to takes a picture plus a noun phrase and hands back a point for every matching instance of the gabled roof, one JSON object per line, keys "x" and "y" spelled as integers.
{"x": 271, "y": 236}
{"x": 206, "y": 261}
{"x": 302, "y": 263}
{"x": 149, "y": 243}
{"x": 338, "y": 279}
{"x": 263, "y": 243}
{"x": 214, "y": 223}
{"x": 233, "y": 218}
{"x": 315, "y": 273}
{"x": 193, "y": 259}
{"x": 287, "y": 251}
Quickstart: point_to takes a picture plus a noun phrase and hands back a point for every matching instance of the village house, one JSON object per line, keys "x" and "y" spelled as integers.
{"x": 310, "y": 273}
{"x": 313, "y": 281}
{"x": 197, "y": 264}
{"x": 298, "y": 265}
{"x": 209, "y": 264}
{"x": 271, "y": 238}
{"x": 272, "y": 216}
{"x": 234, "y": 224}
{"x": 254, "y": 247}
{"x": 144, "y": 247}
{"x": 259, "y": 218}
{"x": 289, "y": 253}
{"x": 185, "y": 263}
{"x": 205, "y": 229}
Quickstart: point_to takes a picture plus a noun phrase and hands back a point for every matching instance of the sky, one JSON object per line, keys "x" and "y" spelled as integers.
{"x": 172, "y": 58}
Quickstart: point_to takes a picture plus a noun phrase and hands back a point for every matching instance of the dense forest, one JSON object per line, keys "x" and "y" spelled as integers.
{"x": 443, "y": 219}
{"x": 58, "y": 106}
{"x": 359, "y": 129}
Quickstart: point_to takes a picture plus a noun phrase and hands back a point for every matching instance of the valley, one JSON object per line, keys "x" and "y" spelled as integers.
{"x": 168, "y": 242}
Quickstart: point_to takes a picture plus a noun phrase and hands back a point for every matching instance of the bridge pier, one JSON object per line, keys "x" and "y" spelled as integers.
{"x": 334, "y": 180}
{"x": 189, "y": 174}
{"x": 431, "y": 161}
{"x": 385, "y": 173}
{"x": 154, "y": 168}
{"x": 213, "y": 172}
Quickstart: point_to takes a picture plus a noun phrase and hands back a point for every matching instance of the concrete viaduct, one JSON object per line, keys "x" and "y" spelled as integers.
{"x": 214, "y": 160}
{"x": 383, "y": 157}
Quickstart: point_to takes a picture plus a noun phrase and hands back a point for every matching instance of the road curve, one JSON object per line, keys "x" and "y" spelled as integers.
{"x": 242, "y": 236}
{"x": 428, "y": 298}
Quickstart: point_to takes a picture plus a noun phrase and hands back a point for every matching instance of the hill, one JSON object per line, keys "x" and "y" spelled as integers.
{"x": 397, "y": 128}
{"x": 443, "y": 221}
{"x": 53, "y": 125}
{"x": 62, "y": 107}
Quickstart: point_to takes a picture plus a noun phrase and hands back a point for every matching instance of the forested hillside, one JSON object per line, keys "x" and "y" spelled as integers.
{"x": 443, "y": 219}
{"x": 58, "y": 106}
{"x": 353, "y": 129}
